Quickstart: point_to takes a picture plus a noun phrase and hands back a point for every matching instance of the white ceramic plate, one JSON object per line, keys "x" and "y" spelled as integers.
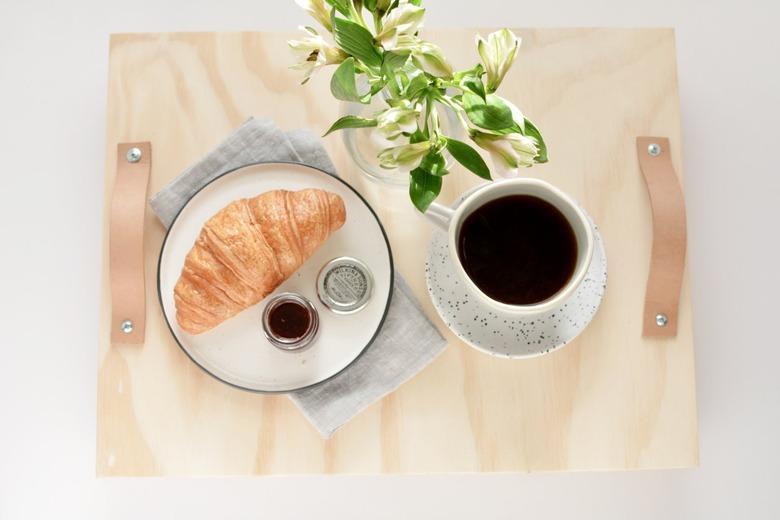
{"x": 505, "y": 335}
{"x": 236, "y": 352}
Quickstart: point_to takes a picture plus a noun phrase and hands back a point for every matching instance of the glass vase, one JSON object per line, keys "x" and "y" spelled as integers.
{"x": 365, "y": 144}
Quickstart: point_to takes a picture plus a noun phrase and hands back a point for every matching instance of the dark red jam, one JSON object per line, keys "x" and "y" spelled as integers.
{"x": 289, "y": 320}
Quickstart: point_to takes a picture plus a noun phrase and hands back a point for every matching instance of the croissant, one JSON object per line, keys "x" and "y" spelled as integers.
{"x": 248, "y": 249}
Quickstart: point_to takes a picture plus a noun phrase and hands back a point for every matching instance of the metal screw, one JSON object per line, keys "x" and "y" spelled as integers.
{"x": 654, "y": 149}
{"x": 126, "y": 326}
{"x": 134, "y": 155}
{"x": 661, "y": 319}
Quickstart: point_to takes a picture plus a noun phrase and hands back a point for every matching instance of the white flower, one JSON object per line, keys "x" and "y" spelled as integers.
{"x": 406, "y": 19}
{"x": 428, "y": 56}
{"x": 319, "y": 10}
{"x": 431, "y": 58}
{"x": 405, "y": 157}
{"x": 397, "y": 120}
{"x": 508, "y": 152}
{"x": 517, "y": 117}
{"x": 314, "y": 52}
{"x": 497, "y": 54}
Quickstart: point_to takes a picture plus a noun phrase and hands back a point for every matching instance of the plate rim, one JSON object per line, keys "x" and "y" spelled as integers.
{"x": 384, "y": 313}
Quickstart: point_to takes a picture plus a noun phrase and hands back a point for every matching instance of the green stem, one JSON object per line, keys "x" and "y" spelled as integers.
{"x": 434, "y": 117}
{"x": 444, "y": 84}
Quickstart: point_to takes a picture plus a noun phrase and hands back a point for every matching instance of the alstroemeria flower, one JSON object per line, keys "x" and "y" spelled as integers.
{"x": 428, "y": 56}
{"x": 497, "y": 54}
{"x": 508, "y": 152}
{"x": 314, "y": 52}
{"x": 471, "y": 127}
{"x": 405, "y": 157}
{"x": 399, "y": 119}
{"x": 406, "y": 19}
{"x": 319, "y": 10}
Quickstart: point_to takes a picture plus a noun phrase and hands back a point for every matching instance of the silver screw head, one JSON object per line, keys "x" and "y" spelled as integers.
{"x": 127, "y": 326}
{"x": 661, "y": 319}
{"x": 654, "y": 149}
{"x": 134, "y": 155}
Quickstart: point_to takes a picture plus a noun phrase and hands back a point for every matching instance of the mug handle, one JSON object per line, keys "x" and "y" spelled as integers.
{"x": 439, "y": 215}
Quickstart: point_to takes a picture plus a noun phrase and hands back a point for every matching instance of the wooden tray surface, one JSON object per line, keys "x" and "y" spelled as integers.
{"x": 610, "y": 400}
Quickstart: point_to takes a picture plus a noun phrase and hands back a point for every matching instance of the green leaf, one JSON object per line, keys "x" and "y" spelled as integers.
{"x": 434, "y": 164}
{"x": 342, "y": 84}
{"x": 370, "y": 5}
{"x": 423, "y": 188}
{"x": 532, "y": 131}
{"x": 477, "y": 70}
{"x": 417, "y": 86}
{"x": 357, "y": 41}
{"x": 350, "y": 122}
{"x": 471, "y": 79}
{"x": 393, "y": 61}
{"x": 341, "y": 6}
{"x": 492, "y": 114}
{"x": 475, "y": 85}
{"x": 376, "y": 87}
{"x": 468, "y": 157}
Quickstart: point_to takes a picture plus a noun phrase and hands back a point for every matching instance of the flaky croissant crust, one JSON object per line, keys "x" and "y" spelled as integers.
{"x": 248, "y": 249}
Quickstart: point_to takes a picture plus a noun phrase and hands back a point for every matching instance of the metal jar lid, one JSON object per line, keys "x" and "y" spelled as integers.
{"x": 344, "y": 285}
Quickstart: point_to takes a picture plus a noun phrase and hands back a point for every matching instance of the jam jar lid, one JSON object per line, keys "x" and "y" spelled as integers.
{"x": 290, "y": 321}
{"x": 344, "y": 285}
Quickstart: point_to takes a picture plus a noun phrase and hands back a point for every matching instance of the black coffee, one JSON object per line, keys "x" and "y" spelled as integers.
{"x": 518, "y": 249}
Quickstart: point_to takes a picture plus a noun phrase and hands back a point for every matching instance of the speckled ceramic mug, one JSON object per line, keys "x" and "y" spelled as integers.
{"x": 451, "y": 219}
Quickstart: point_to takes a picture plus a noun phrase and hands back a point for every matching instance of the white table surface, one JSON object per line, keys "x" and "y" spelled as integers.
{"x": 53, "y": 69}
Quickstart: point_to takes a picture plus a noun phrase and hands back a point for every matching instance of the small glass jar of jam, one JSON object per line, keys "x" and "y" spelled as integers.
{"x": 290, "y": 321}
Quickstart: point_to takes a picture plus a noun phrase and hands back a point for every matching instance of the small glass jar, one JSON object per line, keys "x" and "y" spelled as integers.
{"x": 290, "y": 322}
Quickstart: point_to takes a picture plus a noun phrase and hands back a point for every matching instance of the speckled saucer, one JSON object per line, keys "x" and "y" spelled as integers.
{"x": 506, "y": 335}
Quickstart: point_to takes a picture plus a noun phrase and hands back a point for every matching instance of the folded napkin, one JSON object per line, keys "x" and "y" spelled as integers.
{"x": 408, "y": 340}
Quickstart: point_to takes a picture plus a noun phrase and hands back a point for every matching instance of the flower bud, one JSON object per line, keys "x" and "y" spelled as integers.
{"x": 497, "y": 54}
{"x": 405, "y": 19}
{"x": 508, "y": 152}
{"x": 319, "y": 10}
{"x": 427, "y": 56}
{"x": 397, "y": 120}
{"x": 405, "y": 157}
{"x": 431, "y": 59}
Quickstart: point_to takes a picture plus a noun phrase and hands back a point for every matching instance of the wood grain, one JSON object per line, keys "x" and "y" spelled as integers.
{"x": 610, "y": 400}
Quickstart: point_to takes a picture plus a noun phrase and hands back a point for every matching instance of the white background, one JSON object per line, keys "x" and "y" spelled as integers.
{"x": 53, "y": 69}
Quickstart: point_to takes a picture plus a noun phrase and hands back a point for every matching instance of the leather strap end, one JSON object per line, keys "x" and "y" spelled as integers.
{"x": 126, "y": 243}
{"x": 667, "y": 263}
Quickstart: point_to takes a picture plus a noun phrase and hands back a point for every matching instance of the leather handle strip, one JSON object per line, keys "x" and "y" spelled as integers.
{"x": 667, "y": 263}
{"x": 126, "y": 243}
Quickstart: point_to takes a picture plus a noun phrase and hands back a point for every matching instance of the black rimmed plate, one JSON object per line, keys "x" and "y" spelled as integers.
{"x": 237, "y": 352}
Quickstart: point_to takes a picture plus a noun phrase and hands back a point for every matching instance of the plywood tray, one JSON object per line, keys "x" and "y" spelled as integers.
{"x": 610, "y": 400}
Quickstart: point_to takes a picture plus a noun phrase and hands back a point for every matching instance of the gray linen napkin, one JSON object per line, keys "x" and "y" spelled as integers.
{"x": 408, "y": 340}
